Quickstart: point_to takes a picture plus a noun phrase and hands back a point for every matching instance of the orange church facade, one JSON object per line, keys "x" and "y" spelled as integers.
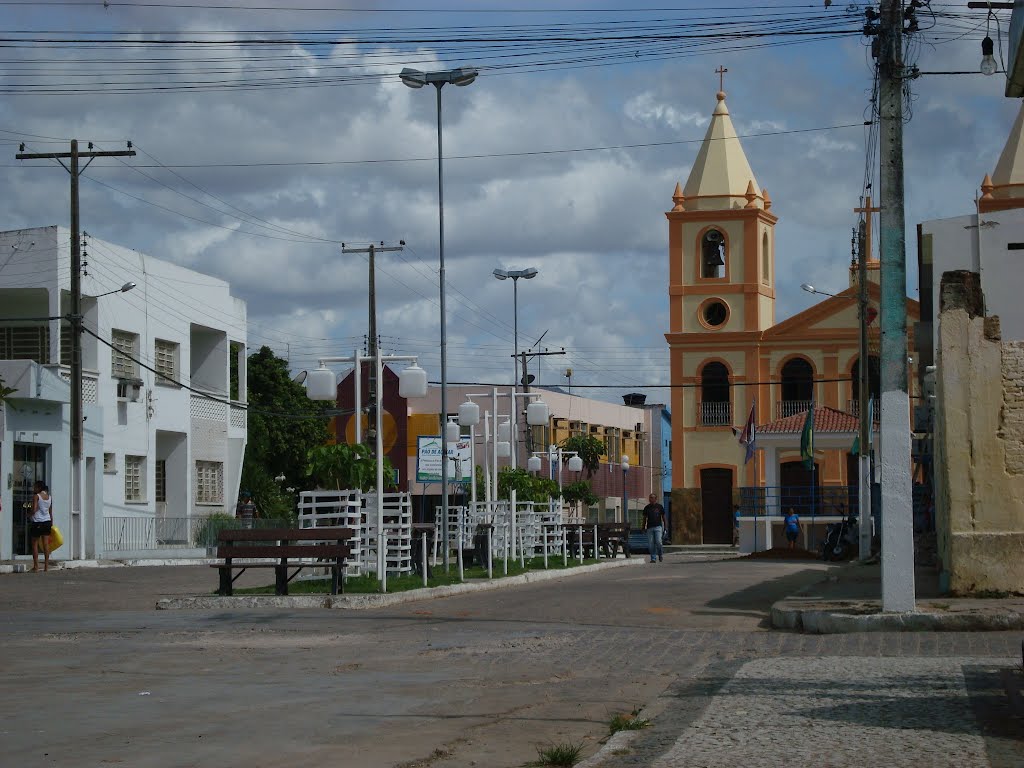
{"x": 728, "y": 354}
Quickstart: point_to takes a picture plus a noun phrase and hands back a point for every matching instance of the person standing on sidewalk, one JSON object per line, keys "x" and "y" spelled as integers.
{"x": 654, "y": 524}
{"x": 792, "y": 523}
{"x": 40, "y": 524}
{"x": 246, "y": 510}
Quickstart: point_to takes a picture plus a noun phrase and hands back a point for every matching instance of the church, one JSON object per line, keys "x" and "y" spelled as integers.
{"x": 730, "y": 360}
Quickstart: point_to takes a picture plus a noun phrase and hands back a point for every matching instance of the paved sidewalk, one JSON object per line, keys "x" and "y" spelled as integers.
{"x": 837, "y": 711}
{"x": 848, "y": 600}
{"x": 959, "y": 706}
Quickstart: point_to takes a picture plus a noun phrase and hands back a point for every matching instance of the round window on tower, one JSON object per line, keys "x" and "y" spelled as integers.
{"x": 713, "y": 313}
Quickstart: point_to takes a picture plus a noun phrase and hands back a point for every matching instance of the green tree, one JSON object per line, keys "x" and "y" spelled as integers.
{"x": 345, "y": 466}
{"x": 589, "y": 449}
{"x": 526, "y": 486}
{"x": 284, "y": 425}
{"x": 580, "y": 492}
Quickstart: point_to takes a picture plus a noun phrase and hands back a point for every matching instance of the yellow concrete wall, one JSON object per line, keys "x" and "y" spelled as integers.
{"x": 979, "y": 456}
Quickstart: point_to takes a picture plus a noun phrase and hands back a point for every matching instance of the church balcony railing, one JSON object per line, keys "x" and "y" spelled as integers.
{"x": 716, "y": 413}
{"x": 792, "y": 407}
{"x": 853, "y": 408}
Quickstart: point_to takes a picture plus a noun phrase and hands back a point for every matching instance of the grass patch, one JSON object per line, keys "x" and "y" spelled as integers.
{"x": 367, "y": 583}
{"x": 558, "y": 755}
{"x": 630, "y": 722}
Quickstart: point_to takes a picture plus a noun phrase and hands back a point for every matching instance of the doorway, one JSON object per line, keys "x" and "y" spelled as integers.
{"x": 716, "y": 505}
{"x": 29, "y": 466}
{"x": 798, "y": 488}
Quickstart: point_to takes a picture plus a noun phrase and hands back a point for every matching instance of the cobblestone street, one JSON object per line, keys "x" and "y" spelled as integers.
{"x": 486, "y": 679}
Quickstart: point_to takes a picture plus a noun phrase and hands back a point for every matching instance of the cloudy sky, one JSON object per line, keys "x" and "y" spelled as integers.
{"x": 266, "y": 137}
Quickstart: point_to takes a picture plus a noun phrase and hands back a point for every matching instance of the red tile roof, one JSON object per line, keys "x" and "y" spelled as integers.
{"x": 825, "y": 420}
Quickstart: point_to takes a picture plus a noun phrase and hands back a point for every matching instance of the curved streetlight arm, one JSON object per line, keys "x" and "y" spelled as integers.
{"x": 123, "y": 289}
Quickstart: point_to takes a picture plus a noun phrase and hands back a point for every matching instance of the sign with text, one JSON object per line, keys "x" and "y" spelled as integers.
{"x": 428, "y": 460}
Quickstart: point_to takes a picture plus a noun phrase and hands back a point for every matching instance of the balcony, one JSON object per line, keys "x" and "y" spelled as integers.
{"x": 792, "y": 407}
{"x": 853, "y": 407}
{"x": 715, "y": 413}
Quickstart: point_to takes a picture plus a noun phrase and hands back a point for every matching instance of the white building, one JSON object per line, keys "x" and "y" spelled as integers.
{"x": 163, "y": 388}
{"x": 988, "y": 242}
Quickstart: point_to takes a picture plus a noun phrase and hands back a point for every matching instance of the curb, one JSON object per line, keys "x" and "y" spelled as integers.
{"x": 848, "y": 617}
{"x": 617, "y": 744}
{"x": 367, "y": 601}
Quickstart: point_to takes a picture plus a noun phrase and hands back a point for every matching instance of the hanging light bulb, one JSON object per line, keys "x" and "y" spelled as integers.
{"x": 503, "y": 449}
{"x": 451, "y": 432}
{"x": 412, "y": 382}
{"x": 469, "y": 414}
{"x": 505, "y": 431}
{"x": 321, "y": 384}
{"x": 533, "y": 464}
{"x": 575, "y": 464}
{"x": 537, "y": 413}
{"x": 988, "y": 62}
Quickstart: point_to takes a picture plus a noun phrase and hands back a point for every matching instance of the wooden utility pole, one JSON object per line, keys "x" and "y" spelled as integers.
{"x": 526, "y": 388}
{"x": 897, "y": 509}
{"x": 74, "y": 168}
{"x": 863, "y": 384}
{"x": 371, "y": 342}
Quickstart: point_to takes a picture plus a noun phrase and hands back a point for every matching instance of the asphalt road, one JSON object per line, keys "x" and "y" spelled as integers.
{"x": 93, "y": 676}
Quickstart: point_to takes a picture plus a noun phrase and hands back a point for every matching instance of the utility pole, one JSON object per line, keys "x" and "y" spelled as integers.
{"x": 371, "y": 345}
{"x": 898, "y": 594}
{"x": 864, "y": 382}
{"x": 75, "y": 317}
{"x": 526, "y": 388}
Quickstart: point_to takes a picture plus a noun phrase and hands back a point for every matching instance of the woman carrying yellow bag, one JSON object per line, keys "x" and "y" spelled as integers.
{"x": 40, "y": 525}
{"x": 56, "y": 537}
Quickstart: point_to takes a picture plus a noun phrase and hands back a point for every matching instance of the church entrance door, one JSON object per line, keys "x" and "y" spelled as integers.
{"x": 716, "y": 505}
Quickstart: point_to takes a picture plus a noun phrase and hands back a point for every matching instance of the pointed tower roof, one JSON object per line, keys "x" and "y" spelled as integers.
{"x": 721, "y": 177}
{"x": 1004, "y": 189}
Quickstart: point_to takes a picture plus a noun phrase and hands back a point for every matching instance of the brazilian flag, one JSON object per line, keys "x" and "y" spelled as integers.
{"x": 807, "y": 439}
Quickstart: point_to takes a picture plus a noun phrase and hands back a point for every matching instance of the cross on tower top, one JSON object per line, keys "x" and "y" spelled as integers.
{"x": 721, "y": 77}
{"x": 868, "y": 209}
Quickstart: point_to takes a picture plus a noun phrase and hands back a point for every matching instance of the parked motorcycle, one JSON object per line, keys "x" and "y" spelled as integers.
{"x": 841, "y": 540}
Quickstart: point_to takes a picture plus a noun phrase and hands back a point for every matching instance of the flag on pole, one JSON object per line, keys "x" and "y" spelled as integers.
{"x": 807, "y": 439}
{"x": 855, "y": 450}
{"x": 748, "y": 437}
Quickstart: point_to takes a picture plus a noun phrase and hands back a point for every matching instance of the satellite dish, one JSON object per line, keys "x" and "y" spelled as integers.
{"x": 300, "y": 377}
{"x": 528, "y": 379}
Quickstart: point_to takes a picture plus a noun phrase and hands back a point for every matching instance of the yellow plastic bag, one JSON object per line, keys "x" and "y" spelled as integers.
{"x": 56, "y": 537}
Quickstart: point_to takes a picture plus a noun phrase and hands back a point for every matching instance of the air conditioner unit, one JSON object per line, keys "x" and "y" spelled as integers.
{"x": 129, "y": 390}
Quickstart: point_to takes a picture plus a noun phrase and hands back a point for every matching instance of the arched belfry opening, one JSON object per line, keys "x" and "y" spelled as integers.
{"x": 712, "y": 249}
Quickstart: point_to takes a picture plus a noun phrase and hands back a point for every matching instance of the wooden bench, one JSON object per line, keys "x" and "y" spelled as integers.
{"x": 611, "y": 537}
{"x": 328, "y": 545}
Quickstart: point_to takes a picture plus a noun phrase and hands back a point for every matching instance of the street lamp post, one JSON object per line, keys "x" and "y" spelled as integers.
{"x": 413, "y": 78}
{"x": 526, "y": 274}
{"x": 863, "y": 385}
{"x": 624, "y": 463}
{"x": 77, "y": 480}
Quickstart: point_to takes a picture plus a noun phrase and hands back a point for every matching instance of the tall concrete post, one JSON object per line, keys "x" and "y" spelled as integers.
{"x": 897, "y": 506}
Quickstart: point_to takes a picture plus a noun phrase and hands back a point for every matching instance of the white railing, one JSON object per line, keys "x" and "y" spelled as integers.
{"x": 146, "y": 532}
{"x": 793, "y": 407}
{"x": 715, "y": 413}
{"x": 356, "y": 510}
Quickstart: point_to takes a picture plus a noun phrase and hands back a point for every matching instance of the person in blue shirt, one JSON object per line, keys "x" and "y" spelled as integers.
{"x": 792, "y": 526}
